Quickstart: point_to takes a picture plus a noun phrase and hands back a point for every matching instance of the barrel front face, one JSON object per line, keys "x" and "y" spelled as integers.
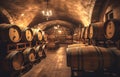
{"x": 29, "y": 54}
{"x": 110, "y": 30}
{"x": 38, "y": 51}
{"x": 29, "y": 35}
{"x": 10, "y": 33}
{"x": 16, "y": 60}
{"x": 40, "y": 36}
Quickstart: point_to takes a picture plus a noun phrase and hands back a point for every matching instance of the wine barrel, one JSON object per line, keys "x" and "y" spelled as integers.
{"x": 117, "y": 57}
{"x": 90, "y": 58}
{"x": 13, "y": 61}
{"x": 38, "y": 36}
{"x": 76, "y": 45}
{"x": 86, "y": 33}
{"x": 38, "y": 51}
{"x": 111, "y": 29}
{"x": 29, "y": 55}
{"x": 82, "y": 33}
{"x": 10, "y": 33}
{"x": 27, "y": 34}
{"x": 96, "y": 31}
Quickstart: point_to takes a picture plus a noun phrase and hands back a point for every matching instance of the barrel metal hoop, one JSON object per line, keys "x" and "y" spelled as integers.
{"x": 100, "y": 55}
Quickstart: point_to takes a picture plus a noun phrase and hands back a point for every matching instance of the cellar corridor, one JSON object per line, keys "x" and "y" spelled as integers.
{"x": 54, "y": 65}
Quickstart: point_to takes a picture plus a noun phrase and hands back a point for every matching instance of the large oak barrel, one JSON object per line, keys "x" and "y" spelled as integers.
{"x": 38, "y": 51}
{"x": 90, "y": 58}
{"x": 111, "y": 29}
{"x": 29, "y": 55}
{"x": 10, "y": 33}
{"x": 38, "y": 35}
{"x": 96, "y": 31}
{"x": 13, "y": 61}
{"x": 27, "y": 34}
{"x": 76, "y": 45}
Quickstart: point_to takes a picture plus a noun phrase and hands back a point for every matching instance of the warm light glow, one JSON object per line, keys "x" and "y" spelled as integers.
{"x": 59, "y": 31}
{"x": 47, "y": 13}
{"x": 55, "y": 27}
{"x": 22, "y": 14}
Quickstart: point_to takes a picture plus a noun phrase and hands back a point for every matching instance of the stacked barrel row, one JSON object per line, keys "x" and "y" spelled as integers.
{"x": 101, "y": 32}
{"x": 16, "y": 59}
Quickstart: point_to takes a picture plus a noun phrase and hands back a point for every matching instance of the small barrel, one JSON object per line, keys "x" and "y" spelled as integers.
{"x": 38, "y": 51}
{"x": 29, "y": 55}
{"x": 90, "y": 58}
{"x": 10, "y": 33}
{"x": 82, "y": 33}
{"x": 27, "y": 34}
{"x": 111, "y": 29}
{"x": 96, "y": 31}
{"x": 38, "y": 35}
{"x": 86, "y": 33}
{"x": 13, "y": 61}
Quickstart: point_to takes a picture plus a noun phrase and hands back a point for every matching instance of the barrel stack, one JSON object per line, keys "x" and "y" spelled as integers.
{"x": 20, "y": 47}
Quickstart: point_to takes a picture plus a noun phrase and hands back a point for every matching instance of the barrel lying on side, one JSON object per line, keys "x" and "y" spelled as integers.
{"x": 96, "y": 31}
{"x": 27, "y": 34}
{"x": 38, "y": 51}
{"x": 38, "y": 35}
{"x": 111, "y": 29}
{"x": 90, "y": 58}
{"x": 10, "y": 33}
{"x": 29, "y": 55}
{"x": 13, "y": 61}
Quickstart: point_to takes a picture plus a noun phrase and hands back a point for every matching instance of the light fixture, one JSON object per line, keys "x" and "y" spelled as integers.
{"x": 47, "y": 12}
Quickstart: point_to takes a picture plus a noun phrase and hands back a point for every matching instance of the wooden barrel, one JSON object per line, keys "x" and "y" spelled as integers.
{"x": 96, "y": 31}
{"x": 82, "y": 33}
{"x": 86, "y": 33}
{"x": 13, "y": 61}
{"x": 10, "y": 33}
{"x": 38, "y": 36}
{"x": 111, "y": 29}
{"x": 27, "y": 34}
{"x": 90, "y": 58}
{"x": 29, "y": 55}
{"x": 117, "y": 57}
{"x": 38, "y": 51}
{"x": 76, "y": 45}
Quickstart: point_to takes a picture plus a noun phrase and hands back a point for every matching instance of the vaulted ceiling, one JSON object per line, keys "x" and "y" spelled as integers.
{"x": 28, "y": 12}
